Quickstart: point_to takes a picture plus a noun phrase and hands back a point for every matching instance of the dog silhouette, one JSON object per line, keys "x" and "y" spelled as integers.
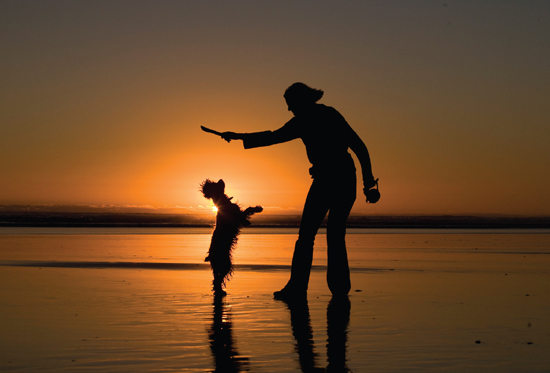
{"x": 229, "y": 221}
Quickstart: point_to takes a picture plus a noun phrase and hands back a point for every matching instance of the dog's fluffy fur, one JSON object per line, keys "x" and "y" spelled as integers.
{"x": 229, "y": 221}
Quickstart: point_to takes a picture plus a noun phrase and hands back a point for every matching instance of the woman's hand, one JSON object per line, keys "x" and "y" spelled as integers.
{"x": 228, "y": 136}
{"x": 368, "y": 184}
{"x": 372, "y": 195}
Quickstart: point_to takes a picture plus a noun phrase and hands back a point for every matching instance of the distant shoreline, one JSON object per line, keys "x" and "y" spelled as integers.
{"x": 147, "y": 220}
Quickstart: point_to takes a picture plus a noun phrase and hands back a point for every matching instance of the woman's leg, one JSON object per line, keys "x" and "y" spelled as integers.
{"x": 315, "y": 209}
{"x": 343, "y": 197}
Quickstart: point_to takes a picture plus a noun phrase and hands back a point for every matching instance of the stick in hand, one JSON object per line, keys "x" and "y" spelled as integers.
{"x": 206, "y": 129}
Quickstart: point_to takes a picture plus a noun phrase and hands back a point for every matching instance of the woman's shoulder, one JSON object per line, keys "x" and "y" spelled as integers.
{"x": 329, "y": 112}
{"x": 325, "y": 109}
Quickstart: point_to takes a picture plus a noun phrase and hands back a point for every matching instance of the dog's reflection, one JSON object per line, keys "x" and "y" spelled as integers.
{"x": 338, "y": 314}
{"x": 226, "y": 357}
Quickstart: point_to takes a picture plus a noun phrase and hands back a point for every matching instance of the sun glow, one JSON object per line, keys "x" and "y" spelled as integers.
{"x": 214, "y": 209}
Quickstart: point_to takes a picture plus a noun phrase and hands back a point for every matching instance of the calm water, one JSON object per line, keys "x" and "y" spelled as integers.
{"x": 367, "y": 249}
{"x": 122, "y": 300}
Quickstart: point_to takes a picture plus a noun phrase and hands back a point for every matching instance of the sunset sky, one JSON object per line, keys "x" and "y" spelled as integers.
{"x": 101, "y": 102}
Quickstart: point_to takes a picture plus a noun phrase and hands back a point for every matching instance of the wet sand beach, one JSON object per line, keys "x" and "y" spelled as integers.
{"x": 451, "y": 301}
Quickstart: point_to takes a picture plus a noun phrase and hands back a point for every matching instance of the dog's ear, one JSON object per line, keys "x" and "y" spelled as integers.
{"x": 222, "y": 184}
{"x": 206, "y": 188}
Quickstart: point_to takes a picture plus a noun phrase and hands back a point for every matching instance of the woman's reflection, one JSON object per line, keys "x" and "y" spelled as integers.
{"x": 337, "y": 331}
{"x": 301, "y": 329}
{"x": 226, "y": 357}
{"x": 338, "y": 314}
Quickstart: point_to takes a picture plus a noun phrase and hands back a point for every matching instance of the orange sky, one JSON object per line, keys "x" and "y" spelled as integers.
{"x": 102, "y": 102}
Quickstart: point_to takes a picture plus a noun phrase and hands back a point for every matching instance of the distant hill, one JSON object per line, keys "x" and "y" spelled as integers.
{"x": 93, "y": 219}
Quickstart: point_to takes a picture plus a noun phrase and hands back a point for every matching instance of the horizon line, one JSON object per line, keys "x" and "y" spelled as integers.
{"x": 204, "y": 211}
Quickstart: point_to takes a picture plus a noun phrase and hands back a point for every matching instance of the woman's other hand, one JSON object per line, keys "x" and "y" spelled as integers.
{"x": 368, "y": 184}
{"x": 372, "y": 195}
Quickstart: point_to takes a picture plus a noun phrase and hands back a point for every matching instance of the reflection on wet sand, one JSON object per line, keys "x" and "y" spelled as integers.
{"x": 338, "y": 311}
{"x": 338, "y": 315}
{"x": 220, "y": 336}
{"x": 303, "y": 333}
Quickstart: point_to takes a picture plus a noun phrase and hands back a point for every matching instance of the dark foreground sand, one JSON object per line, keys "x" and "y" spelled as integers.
{"x": 457, "y": 311}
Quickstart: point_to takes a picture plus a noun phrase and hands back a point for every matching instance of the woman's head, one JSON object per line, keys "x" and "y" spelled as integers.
{"x": 299, "y": 95}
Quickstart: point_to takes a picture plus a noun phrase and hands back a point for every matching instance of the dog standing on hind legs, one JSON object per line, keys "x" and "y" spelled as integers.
{"x": 229, "y": 221}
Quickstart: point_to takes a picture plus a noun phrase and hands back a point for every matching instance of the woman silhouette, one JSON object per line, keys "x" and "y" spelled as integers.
{"x": 327, "y": 137}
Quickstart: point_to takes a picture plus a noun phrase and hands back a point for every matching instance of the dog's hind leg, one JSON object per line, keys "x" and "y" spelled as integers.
{"x": 220, "y": 269}
{"x": 217, "y": 284}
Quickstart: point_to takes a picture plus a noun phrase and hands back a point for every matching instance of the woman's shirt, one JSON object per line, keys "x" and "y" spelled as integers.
{"x": 326, "y": 136}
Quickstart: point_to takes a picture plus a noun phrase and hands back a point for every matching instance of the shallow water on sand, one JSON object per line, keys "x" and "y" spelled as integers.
{"x": 419, "y": 302}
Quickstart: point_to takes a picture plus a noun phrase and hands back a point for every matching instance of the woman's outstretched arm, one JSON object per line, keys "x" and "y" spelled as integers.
{"x": 228, "y": 136}
{"x": 265, "y": 138}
